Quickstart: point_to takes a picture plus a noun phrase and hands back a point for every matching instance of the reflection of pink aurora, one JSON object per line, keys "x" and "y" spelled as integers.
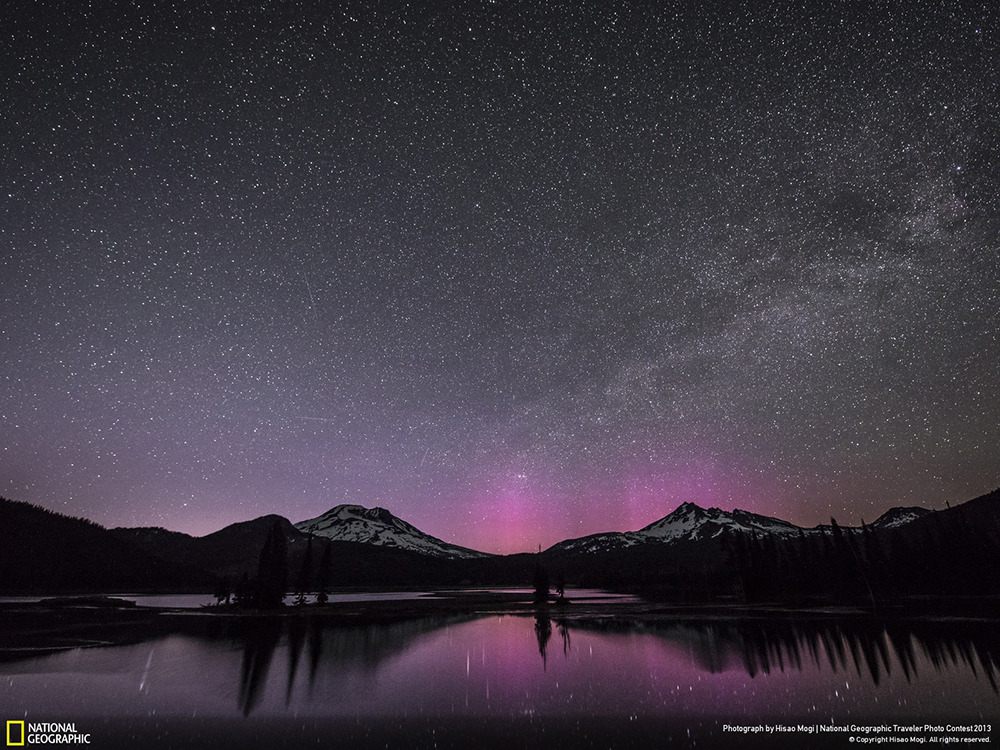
{"x": 494, "y": 667}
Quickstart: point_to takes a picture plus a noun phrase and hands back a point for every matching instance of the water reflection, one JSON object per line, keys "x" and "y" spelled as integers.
{"x": 335, "y": 649}
{"x": 543, "y": 632}
{"x": 564, "y": 634}
{"x": 506, "y": 665}
{"x": 871, "y": 650}
{"x": 870, "y": 647}
{"x": 260, "y": 639}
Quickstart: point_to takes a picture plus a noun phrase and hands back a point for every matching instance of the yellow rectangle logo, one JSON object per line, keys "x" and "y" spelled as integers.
{"x": 10, "y": 741}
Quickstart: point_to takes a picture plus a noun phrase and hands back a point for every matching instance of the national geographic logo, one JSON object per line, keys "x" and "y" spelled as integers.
{"x": 20, "y": 733}
{"x": 15, "y": 733}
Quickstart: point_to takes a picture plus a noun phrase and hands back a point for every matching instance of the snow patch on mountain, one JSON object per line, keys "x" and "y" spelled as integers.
{"x": 895, "y": 517}
{"x": 355, "y": 523}
{"x": 600, "y": 542}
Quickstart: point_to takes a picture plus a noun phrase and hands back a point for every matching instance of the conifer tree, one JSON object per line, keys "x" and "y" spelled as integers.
{"x": 304, "y": 581}
{"x": 272, "y": 571}
{"x": 244, "y": 592}
{"x": 223, "y": 591}
{"x": 541, "y": 583}
{"x": 323, "y": 576}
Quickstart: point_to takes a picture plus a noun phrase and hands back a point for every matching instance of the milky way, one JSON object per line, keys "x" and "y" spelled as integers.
{"x": 515, "y": 271}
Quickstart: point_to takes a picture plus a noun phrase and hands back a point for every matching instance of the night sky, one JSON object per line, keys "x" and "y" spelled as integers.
{"x": 516, "y": 272}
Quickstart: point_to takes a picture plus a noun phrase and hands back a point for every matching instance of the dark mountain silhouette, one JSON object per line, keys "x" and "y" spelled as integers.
{"x": 231, "y": 551}
{"x": 47, "y": 552}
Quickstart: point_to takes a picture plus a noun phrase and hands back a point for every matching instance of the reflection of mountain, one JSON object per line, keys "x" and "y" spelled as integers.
{"x": 333, "y": 649}
{"x": 367, "y": 646}
{"x": 287, "y": 665}
{"x": 863, "y": 644}
{"x": 336, "y": 649}
{"x": 867, "y": 647}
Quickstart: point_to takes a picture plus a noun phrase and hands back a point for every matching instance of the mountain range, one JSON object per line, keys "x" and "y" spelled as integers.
{"x": 690, "y": 522}
{"x": 47, "y": 552}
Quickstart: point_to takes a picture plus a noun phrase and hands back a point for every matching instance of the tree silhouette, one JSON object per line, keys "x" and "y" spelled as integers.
{"x": 244, "y": 592}
{"x": 541, "y": 583}
{"x": 272, "y": 572}
{"x": 223, "y": 591}
{"x": 323, "y": 576}
{"x": 304, "y": 581}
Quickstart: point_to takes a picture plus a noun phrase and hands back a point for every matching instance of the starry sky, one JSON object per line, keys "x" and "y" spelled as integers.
{"x": 515, "y": 271}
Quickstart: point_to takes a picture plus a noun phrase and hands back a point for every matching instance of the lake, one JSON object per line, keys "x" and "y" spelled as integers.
{"x": 543, "y": 680}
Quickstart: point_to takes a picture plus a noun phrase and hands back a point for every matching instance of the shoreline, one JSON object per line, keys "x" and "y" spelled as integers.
{"x": 61, "y": 623}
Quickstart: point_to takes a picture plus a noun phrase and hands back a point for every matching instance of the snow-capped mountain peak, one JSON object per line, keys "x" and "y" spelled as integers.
{"x": 356, "y": 523}
{"x": 690, "y": 521}
{"x": 687, "y": 522}
{"x": 683, "y": 521}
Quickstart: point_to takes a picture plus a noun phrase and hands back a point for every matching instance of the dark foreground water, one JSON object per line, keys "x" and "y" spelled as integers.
{"x": 517, "y": 681}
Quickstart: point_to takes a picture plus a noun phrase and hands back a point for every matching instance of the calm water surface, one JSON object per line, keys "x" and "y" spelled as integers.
{"x": 529, "y": 669}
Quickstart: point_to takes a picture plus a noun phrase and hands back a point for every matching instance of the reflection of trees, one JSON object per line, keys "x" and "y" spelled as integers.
{"x": 870, "y": 647}
{"x": 260, "y": 638}
{"x": 865, "y": 645}
{"x": 543, "y": 632}
{"x": 297, "y": 628}
{"x": 564, "y": 634}
{"x": 315, "y": 653}
{"x": 329, "y": 647}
